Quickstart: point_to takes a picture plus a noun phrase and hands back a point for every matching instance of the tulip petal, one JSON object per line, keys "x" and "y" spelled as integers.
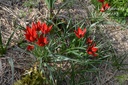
{"x": 94, "y": 49}
{"x": 30, "y": 47}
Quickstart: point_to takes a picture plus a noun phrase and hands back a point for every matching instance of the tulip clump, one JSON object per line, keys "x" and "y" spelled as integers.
{"x": 37, "y": 34}
{"x": 91, "y": 50}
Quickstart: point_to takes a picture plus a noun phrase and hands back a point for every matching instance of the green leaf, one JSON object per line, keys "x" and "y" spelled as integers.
{"x": 50, "y": 3}
{"x": 2, "y": 49}
{"x": 0, "y": 38}
{"x": 9, "y": 39}
{"x": 12, "y": 68}
{"x": 127, "y": 10}
{"x": 122, "y": 78}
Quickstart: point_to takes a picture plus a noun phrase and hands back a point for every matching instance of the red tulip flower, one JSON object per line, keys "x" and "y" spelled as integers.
{"x": 36, "y": 26}
{"x": 102, "y": 1}
{"x": 80, "y": 33}
{"x": 42, "y": 41}
{"x": 104, "y": 7}
{"x": 30, "y": 47}
{"x": 31, "y": 34}
{"x": 91, "y": 50}
{"x": 89, "y": 41}
{"x": 45, "y": 29}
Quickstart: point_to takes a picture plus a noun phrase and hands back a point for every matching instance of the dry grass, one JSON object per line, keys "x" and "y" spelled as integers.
{"x": 21, "y": 60}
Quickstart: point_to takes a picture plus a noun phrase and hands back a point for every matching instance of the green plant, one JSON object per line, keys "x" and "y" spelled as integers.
{"x": 32, "y": 77}
{"x": 50, "y": 5}
{"x": 31, "y": 3}
{"x": 56, "y": 42}
{"x": 52, "y": 43}
{"x": 10, "y": 60}
{"x": 118, "y": 9}
{"x": 122, "y": 78}
{"x": 120, "y": 6}
{"x": 3, "y": 48}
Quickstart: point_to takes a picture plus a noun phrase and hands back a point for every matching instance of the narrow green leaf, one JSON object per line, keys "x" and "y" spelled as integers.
{"x": 12, "y": 68}
{"x": 2, "y": 50}
{"x": 47, "y": 3}
{"x": 0, "y": 38}
{"x": 63, "y": 5}
{"x": 9, "y": 39}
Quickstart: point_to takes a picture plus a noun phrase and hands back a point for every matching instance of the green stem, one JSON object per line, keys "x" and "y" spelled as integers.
{"x": 51, "y": 13}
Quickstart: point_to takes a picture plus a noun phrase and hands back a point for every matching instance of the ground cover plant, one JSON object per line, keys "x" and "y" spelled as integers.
{"x": 3, "y": 48}
{"x": 72, "y": 46}
{"x": 118, "y": 9}
{"x": 65, "y": 51}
